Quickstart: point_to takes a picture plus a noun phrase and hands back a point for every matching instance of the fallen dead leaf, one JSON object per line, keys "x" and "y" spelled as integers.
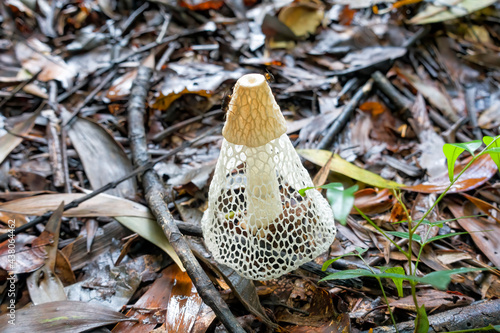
{"x": 476, "y": 175}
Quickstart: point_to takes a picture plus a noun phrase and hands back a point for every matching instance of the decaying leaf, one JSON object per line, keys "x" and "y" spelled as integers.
{"x": 302, "y": 17}
{"x": 56, "y": 317}
{"x": 486, "y": 235}
{"x": 476, "y": 175}
{"x": 93, "y": 144}
{"x": 449, "y": 9}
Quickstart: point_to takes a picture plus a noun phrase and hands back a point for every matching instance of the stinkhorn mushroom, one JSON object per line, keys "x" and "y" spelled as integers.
{"x": 256, "y": 222}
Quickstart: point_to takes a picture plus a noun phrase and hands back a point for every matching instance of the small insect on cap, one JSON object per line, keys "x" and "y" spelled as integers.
{"x": 253, "y": 117}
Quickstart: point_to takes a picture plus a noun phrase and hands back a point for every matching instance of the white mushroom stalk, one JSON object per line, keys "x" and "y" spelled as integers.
{"x": 256, "y": 222}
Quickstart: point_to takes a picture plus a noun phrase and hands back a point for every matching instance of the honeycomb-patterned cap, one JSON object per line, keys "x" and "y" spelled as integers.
{"x": 256, "y": 222}
{"x": 253, "y": 116}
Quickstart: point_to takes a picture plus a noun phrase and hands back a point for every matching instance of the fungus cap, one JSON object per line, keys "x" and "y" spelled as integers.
{"x": 253, "y": 116}
{"x": 256, "y": 222}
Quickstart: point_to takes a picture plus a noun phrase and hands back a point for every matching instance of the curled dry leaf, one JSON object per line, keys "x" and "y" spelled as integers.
{"x": 490, "y": 117}
{"x": 434, "y": 93}
{"x": 28, "y": 259}
{"x": 133, "y": 215}
{"x": 100, "y": 205}
{"x": 43, "y": 284}
{"x": 303, "y": 17}
{"x": 172, "y": 291}
{"x": 37, "y": 56}
{"x": 485, "y": 207}
{"x": 120, "y": 88}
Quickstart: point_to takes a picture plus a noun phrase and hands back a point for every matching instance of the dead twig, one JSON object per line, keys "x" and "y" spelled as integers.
{"x": 154, "y": 194}
{"x": 166, "y": 132}
{"x": 341, "y": 120}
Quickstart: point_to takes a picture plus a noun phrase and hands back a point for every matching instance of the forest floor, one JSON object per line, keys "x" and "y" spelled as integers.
{"x": 371, "y": 92}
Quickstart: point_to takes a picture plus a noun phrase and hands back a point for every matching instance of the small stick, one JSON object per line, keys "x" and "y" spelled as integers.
{"x": 400, "y": 101}
{"x": 444, "y": 124}
{"x": 341, "y": 120}
{"x": 64, "y": 156}
{"x": 90, "y": 96}
{"x": 470, "y": 102}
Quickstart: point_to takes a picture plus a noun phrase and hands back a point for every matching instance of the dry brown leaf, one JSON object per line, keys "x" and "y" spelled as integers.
{"x": 487, "y": 241}
{"x": 485, "y": 207}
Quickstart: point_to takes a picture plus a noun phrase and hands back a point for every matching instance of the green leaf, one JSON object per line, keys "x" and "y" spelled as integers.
{"x": 348, "y": 274}
{"x": 397, "y": 281}
{"x": 334, "y": 186}
{"x": 331, "y": 261}
{"x": 435, "y": 238}
{"x": 492, "y": 150}
{"x": 340, "y": 165}
{"x": 439, "y": 279}
{"x": 341, "y": 201}
{"x": 453, "y": 150}
{"x": 359, "y": 251}
{"x": 496, "y": 327}
{"x": 495, "y": 150}
{"x": 404, "y": 235}
{"x": 421, "y": 322}
{"x": 302, "y": 191}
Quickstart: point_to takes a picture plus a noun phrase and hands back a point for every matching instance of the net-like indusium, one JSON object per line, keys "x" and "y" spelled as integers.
{"x": 256, "y": 222}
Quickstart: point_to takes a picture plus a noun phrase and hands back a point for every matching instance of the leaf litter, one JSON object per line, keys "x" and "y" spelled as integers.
{"x": 65, "y": 83}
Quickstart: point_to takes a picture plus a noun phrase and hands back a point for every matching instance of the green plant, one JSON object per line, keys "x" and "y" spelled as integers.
{"x": 342, "y": 201}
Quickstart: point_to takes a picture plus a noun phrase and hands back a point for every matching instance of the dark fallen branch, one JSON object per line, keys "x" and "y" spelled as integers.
{"x": 400, "y": 101}
{"x": 476, "y": 315}
{"x": 342, "y": 119}
{"x": 154, "y": 194}
{"x": 107, "y": 79}
{"x": 444, "y": 124}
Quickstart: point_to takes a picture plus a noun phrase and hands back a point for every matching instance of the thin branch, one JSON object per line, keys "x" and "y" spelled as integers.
{"x": 154, "y": 194}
